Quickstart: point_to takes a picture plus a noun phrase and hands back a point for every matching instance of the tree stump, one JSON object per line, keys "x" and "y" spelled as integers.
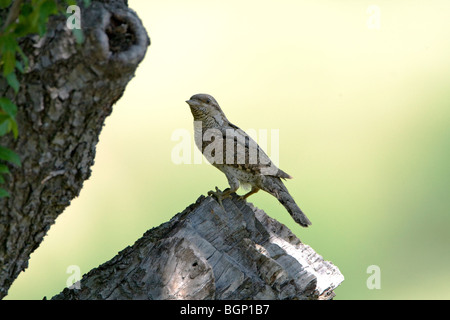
{"x": 212, "y": 252}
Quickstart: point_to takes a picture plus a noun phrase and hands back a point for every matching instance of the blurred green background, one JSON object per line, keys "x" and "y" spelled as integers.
{"x": 361, "y": 97}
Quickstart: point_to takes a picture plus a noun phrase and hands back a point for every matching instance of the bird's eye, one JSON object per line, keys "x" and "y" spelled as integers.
{"x": 208, "y": 101}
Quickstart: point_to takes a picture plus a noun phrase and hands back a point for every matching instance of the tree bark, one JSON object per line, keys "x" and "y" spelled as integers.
{"x": 213, "y": 252}
{"x": 66, "y": 93}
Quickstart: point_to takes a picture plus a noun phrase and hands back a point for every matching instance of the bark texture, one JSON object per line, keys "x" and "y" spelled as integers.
{"x": 65, "y": 96}
{"x": 213, "y": 252}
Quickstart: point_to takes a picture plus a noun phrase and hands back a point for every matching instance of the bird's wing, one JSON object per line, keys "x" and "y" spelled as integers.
{"x": 248, "y": 155}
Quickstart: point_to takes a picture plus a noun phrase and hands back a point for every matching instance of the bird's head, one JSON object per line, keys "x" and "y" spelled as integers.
{"x": 205, "y": 108}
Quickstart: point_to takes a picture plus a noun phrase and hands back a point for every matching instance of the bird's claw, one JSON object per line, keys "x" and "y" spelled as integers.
{"x": 220, "y": 195}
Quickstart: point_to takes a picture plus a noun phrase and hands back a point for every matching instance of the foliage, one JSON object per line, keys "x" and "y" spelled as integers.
{"x": 23, "y": 18}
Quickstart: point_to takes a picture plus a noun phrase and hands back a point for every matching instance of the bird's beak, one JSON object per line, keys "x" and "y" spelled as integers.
{"x": 192, "y": 103}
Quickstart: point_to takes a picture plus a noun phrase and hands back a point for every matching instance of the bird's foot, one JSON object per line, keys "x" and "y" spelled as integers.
{"x": 248, "y": 194}
{"x": 220, "y": 195}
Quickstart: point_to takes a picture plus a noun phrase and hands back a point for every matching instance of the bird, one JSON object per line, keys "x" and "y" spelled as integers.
{"x": 238, "y": 156}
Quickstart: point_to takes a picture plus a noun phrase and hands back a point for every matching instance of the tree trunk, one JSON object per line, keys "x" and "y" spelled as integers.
{"x": 65, "y": 96}
{"x": 213, "y": 252}
{"x": 205, "y": 252}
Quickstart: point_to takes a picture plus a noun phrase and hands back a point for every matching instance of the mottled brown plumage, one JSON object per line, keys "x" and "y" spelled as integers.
{"x": 238, "y": 156}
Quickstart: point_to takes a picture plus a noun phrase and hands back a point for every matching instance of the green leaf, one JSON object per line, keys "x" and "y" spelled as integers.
{"x": 10, "y": 156}
{"x": 9, "y": 62}
{"x": 27, "y": 8}
{"x": 24, "y": 58}
{"x": 9, "y": 107}
{"x": 5, "y": 125}
{"x": 13, "y": 82}
{"x": 3, "y": 169}
{"x": 8, "y": 42}
{"x": 48, "y": 7}
{"x": 19, "y": 66}
{"x": 79, "y": 35}
{"x": 5, "y": 3}
{"x": 27, "y": 21}
{"x": 3, "y": 193}
{"x": 14, "y": 128}
{"x": 22, "y": 28}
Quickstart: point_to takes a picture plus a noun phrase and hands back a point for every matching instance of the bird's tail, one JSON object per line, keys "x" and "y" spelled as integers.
{"x": 275, "y": 187}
